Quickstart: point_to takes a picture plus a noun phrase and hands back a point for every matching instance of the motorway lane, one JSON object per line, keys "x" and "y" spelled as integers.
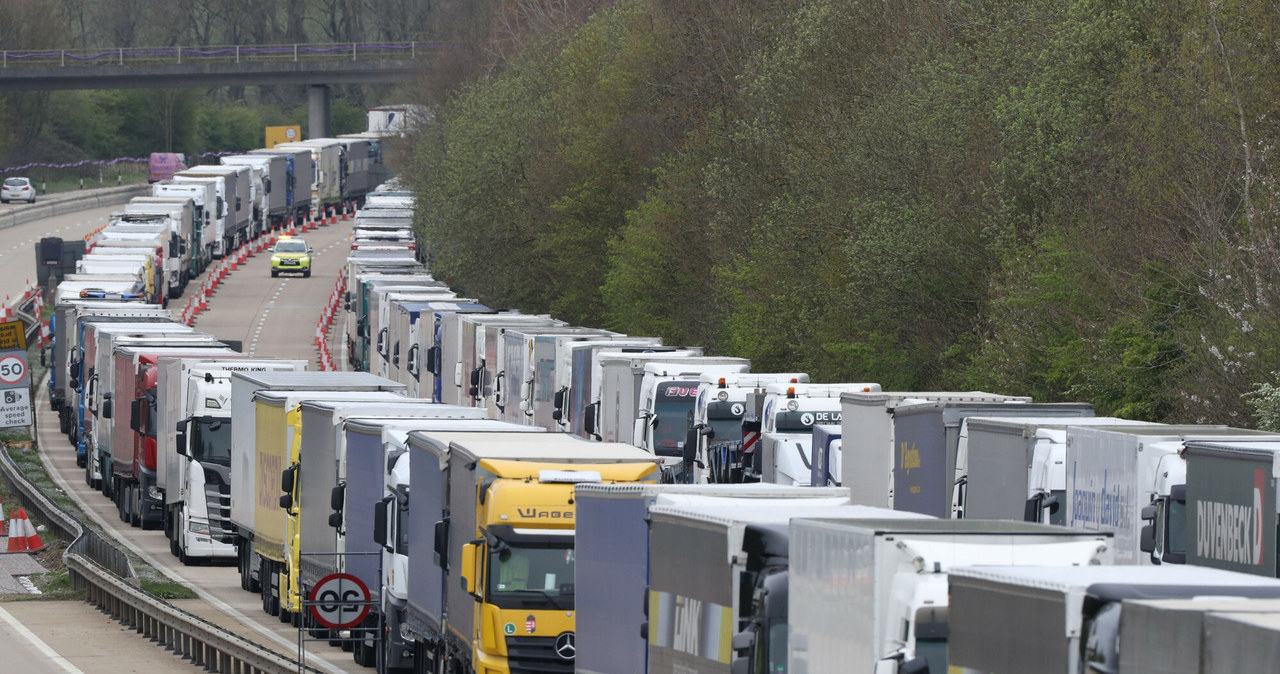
{"x": 17, "y": 244}
{"x": 277, "y": 316}
{"x": 272, "y": 317}
{"x": 73, "y": 637}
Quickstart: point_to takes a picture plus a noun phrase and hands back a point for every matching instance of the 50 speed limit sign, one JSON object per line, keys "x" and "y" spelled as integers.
{"x": 13, "y": 369}
{"x": 339, "y": 601}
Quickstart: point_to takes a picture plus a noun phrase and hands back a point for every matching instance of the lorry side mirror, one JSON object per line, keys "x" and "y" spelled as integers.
{"x": 335, "y": 520}
{"x": 557, "y": 401}
{"x": 469, "y": 569}
{"x": 106, "y": 405}
{"x": 1148, "y": 512}
{"x": 286, "y": 501}
{"x": 1147, "y": 539}
{"x": 440, "y": 545}
{"x": 556, "y": 415}
{"x": 380, "y": 522}
{"x": 182, "y": 438}
{"x": 382, "y": 342}
{"x": 474, "y": 391}
{"x": 336, "y": 497}
{"x": 134, "y": 416}
{"x": 395, "y": 355}
{"x": 411, "y": 361}
{"x": 744, "y": 641}
{"x": 74, "y": 370}
{"x": 433, "y": 360}
{"x": 287, "y": 478}
{"x": 589, "y": 420}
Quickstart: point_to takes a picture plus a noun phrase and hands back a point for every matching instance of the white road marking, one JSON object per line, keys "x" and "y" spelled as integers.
{"x": 36, "y": 641}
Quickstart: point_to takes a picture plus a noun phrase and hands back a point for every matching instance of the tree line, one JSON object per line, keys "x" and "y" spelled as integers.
{"x": 1072, "y": 200}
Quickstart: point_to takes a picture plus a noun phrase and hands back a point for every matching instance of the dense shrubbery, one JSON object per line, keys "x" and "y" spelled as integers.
{"x": 1070, "y": 200}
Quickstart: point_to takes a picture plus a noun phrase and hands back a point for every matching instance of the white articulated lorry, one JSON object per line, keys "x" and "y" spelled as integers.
{"x": 787, "y": 414}
{"x": 1066, "y": 620}
{"x": 206, "y": 213}
{"x": 236, "y": 198}
{"x": 1017, "y": 466}
{"x": 573, "y": 369}
{"x": 193, "y": 452}
{"x": 871, "y": 597}
{"x": 1114, "y": 474}
{"x": 530, "y": 371}
{"x": 182, "y": 243}
{"x": 718, "y": 409}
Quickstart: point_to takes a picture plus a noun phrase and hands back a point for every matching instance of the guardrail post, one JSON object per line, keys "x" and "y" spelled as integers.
{"x": 413, "y": 50}
{"x": 237, "y": 53}
{"x": 64, "y": 57}
{"x": 295, "y": 53}
{"x": 179, "y": 54}
{"x": 6, "y": 58}
{"x": 353, "y": 51}
{"x": 122, "y": 56}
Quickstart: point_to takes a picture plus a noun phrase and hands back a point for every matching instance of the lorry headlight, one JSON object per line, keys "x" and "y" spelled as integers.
{"x": 201, "y": 528}
{"x": 792, "y": 405}
{"x": 155, "y": 493}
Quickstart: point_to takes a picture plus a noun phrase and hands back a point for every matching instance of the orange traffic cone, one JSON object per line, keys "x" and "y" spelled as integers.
{"x": 31, "y": 541}
{"x": 17, "y": 541}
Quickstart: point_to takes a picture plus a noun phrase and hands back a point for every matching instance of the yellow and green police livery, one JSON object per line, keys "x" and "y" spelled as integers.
{"x": 291, "y": 255}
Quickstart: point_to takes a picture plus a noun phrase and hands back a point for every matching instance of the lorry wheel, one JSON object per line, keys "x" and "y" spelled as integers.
{"x": 284, "y": 615}
{"x": 173, "y": 546}
{"x": 364, "y": 655}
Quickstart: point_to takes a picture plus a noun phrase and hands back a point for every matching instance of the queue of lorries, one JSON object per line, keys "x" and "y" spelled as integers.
{"x": 519, "y": 494}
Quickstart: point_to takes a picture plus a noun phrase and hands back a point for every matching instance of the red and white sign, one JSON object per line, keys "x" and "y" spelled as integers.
{"x": 339, "y": 601}
{"x": 13, "y": 369}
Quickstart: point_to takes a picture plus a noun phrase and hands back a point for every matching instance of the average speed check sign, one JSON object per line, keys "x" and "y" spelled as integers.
{"x": 339, "y": 601}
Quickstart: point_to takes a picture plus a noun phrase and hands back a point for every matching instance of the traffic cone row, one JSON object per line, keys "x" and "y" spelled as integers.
{"x": 326, "y": 321}
{"x": 22, "y": 534}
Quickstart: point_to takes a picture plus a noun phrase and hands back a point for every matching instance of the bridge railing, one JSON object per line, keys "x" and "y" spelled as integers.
{"x": 134, "y": 56}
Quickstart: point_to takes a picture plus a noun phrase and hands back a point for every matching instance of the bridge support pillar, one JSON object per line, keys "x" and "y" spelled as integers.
{"x": 318, "y": 110}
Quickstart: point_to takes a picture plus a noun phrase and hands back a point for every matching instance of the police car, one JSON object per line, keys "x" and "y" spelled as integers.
{"x": 291, "y": 255}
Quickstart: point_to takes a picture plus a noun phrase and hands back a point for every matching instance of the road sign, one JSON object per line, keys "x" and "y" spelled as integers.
{"x": 15, "y": 407}
{"x": 340, "y": 601}
{"x": 13, "y": 369}
{"x": 13, "y": 335}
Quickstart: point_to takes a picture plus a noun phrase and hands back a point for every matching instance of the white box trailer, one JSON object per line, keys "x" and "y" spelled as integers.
{"x": 1017, "y": 466}
{"x": 271, "y": 182}
{"x": 1172, "y": 636}
{"x": 206, "y": 214}
{"x": 296, "y": 187}
{"x": 932, "y": 462}
{"x": 871, "y": 597}
{"x": 479, "y": 354}
{"x": 573, "y": 368}
{"x": 1243, "y": 642}
{"x": 867, "y": 438}
{"x": 1045, "y": 620}
{"x": 1113, "y": 474}
{"x": 326, "y": 177}
{"x": 237, "y": 199}
{"x": 528, "y": 364}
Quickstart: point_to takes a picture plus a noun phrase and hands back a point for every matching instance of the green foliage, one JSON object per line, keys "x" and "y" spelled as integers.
{"x": 1069, "y": 200}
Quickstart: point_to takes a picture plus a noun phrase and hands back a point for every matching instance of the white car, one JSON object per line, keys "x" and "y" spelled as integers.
{"x": 17, "y": 189}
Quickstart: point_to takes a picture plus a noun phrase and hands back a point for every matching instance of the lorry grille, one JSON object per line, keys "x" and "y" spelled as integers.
{"x": 218, "y": 499}
{"x": 537, "y": 654}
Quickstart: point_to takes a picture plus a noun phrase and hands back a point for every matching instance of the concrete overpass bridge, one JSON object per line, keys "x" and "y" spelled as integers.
{"x": 317, "y": 66}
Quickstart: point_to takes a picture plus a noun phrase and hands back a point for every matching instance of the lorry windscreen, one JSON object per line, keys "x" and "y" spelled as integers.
{"x": 524, "y": 576}
{"x": 726, "y": 425}
{"x": 673, "y": 407}
{"x": 211, "y": 441}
